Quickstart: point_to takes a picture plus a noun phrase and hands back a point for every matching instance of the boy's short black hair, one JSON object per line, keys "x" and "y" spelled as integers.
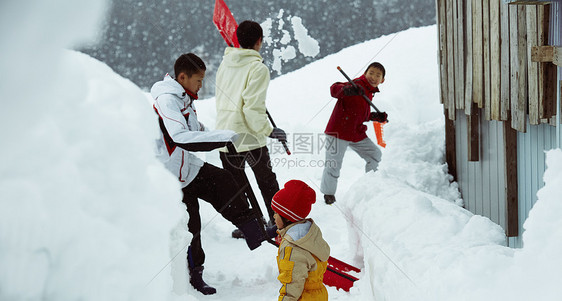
{"x": 378, "y": 66}
{"x": 189, "y": 64}
{"x": 248, "y": 33}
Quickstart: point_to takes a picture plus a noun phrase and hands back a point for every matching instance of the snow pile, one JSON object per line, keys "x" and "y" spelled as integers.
{"x": 536, "y": 269}
{"x": 416, "y": 246}
{"x": 86, "y": 210}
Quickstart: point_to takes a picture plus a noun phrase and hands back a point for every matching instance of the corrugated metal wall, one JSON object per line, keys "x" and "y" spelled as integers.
{"x": 482, "y": 183}
{"x": 531, "y": 148}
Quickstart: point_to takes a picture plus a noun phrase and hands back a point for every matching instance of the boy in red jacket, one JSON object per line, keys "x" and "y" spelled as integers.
{"x": 346, "y": 128}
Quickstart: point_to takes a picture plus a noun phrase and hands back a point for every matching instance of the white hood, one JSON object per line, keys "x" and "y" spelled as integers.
{"x": 168, "y": 86}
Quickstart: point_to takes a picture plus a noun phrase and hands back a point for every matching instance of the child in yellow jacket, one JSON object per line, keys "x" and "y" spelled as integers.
{"x": 303, "y": 253}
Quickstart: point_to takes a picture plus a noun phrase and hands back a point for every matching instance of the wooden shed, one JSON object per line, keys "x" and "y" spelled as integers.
{"x": 500, "y": 82}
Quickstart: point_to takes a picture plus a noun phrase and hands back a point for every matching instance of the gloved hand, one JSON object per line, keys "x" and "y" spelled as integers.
{"x": 378, "y": 117}
{"x": 350, "y": 90}
{"x": 278, "y": 134}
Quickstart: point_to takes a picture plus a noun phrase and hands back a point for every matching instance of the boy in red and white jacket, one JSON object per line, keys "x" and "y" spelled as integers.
{"x": 346, "y": 129}
{"x": 182, "y": 134}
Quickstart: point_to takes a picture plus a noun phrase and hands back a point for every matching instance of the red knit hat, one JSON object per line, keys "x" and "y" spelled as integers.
{"x": 294, "y": 201}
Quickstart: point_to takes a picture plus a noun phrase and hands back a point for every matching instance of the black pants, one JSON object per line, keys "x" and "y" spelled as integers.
{"x": 217, "y": 187}
{"x": 259, "y": 161}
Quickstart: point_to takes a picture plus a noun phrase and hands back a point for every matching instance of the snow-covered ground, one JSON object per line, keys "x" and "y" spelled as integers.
{"x": 87, "y": 212}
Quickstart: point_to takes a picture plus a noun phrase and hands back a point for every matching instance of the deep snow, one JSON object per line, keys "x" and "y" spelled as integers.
{"x": 87, "y": 212}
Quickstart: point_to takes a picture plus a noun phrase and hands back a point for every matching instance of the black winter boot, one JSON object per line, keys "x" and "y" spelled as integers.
{"x": 236, "y": 233}
{"x": 329, "y": 199}
{"x": 196, "y": 280}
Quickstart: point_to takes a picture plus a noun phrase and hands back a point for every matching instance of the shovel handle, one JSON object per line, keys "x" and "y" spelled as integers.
{"x": 273, "y": 124}
{"x": 362, "y": 94}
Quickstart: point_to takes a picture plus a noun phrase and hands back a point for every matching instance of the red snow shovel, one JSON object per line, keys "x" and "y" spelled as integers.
{"x": 337, "y": 272}
{"x": 226, "y": 24}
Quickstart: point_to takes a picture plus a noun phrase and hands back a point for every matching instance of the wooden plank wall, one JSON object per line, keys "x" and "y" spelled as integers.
{"x": 485, "y": 61}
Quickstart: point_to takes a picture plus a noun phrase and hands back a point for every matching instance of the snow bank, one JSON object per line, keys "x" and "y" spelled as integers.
{"x": 417, "y": 246}
{"x": 86, "y": 210}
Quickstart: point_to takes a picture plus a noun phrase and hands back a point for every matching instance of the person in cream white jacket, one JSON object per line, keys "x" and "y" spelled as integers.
{"x": 241, "y": 89}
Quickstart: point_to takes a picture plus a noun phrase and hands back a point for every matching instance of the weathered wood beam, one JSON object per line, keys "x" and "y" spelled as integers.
{"x": 543, "y": 22}
{"x": 511, "y": 189}
{"x": 524, "y": 2}
{"x": 450, "y": 60}
{"x": 495, "y": 65}
{"x": 468, "y": 58}
{"x": 505, "y": 62}
{"x": 450, "y": 146}
{"x": 441, "y": 20}
{"x": 486, "y": 44}
{"x": 532, "y": 67}
{"x": 459, "y": 55}
{"x": 473, "y": 133}
{"x": 477, "y": 54}
{"x": 543, "y": 54}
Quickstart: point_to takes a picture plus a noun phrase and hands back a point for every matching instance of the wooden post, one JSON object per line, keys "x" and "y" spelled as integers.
{"x": 450, "y": 146}
{"x": 495, "y": 66}
{"x": 511, "y": 189}
{"x": 473, "y": 135}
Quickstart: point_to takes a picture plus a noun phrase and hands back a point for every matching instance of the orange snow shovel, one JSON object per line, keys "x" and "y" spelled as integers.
{"x": 378, "y": 133}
